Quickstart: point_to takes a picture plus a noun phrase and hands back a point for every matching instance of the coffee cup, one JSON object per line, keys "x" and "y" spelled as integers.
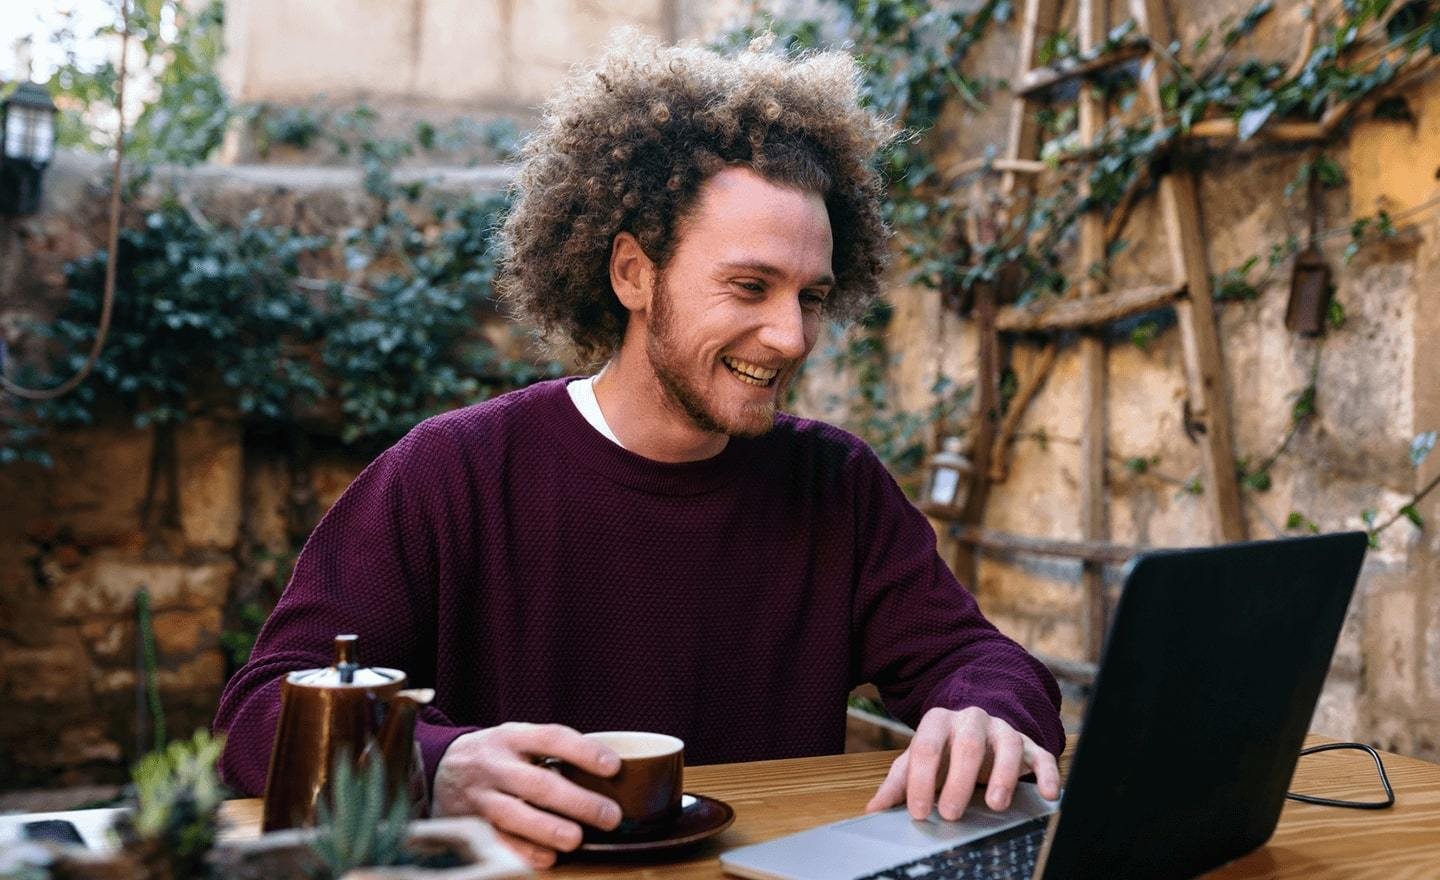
{"x": 649, "y": 784}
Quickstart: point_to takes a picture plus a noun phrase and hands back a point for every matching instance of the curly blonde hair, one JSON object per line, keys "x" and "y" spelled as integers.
{"x": 626, "y": 145}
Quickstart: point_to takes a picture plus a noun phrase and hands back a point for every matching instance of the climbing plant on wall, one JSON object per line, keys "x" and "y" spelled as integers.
{"x": 912, "y": 54}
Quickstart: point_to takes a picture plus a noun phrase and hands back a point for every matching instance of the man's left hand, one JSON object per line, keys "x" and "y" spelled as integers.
{"x": 966, "y": 746}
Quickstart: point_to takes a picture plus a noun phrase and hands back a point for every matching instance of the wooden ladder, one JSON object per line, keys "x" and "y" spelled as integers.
{"x": 1189, "y": 293}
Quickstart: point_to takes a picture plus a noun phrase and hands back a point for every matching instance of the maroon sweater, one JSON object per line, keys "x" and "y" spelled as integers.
{"x": 528, "y": 569}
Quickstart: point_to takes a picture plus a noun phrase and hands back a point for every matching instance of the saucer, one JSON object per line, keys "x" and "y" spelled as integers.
{"x": 700, "y": 817}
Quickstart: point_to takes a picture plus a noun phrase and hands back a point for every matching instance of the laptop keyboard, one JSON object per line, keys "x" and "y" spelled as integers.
{"x": 1006, "y": 855}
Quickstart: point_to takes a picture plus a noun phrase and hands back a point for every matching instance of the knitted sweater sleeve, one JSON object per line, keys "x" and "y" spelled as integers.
{"x": 919, "y": 635}
{"x": 371, "y": 567}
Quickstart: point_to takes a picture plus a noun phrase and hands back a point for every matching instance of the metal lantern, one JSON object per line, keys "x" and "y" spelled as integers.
{"x": 1310, "y": 292}
{"x": 948, "y": 482}
{"x": 27, "y": 144}
{"x": 1310, "y": 287}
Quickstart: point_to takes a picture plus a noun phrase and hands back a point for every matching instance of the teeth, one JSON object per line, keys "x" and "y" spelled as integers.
{"x": 749, "y": 373}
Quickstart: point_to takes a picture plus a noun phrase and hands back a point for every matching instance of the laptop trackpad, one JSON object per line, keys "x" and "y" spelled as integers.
{"x": 895, "y": 826}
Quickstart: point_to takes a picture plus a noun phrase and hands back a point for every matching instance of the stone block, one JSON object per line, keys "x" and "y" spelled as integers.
{"x": 44, "y": 675}
{"x": 1415, "y": 736}
{"x": 111, "y": 640}
{"x": 210, "y": 464}
{"x": 545, "y": 32}
{"x": 1349, "y": 659}
{"x": 1393, "y": 161}
{"x": 1391, "y": 648}
{"x": 330, "y": 477}
{"x": 107, "y": 585}
{"x": 84, "y": 744}
{"x": 1042, "y": 589}
{"x": 1431, "y": 627}
{"x": 341, "y": 48}
{"x": 1337, "y": 713}
{"x": 99, "y": 481}
{"x": 205, "y": 672}
{"x": 183, "y": 633}
{"x": 267, "y": 487}
{"x": 463, "y": 47}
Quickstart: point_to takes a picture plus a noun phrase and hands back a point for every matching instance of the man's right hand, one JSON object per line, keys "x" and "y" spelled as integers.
{"x": 492, "y": 774}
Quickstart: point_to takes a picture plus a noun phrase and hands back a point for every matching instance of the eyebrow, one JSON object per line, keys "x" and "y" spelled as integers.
{"x": 761, "y": 268}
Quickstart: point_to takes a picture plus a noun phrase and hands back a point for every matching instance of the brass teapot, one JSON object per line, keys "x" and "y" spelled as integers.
{"x": 365, "y": 713}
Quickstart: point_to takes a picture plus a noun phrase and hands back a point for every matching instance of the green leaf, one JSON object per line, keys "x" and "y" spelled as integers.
{"x": 1410, "y": 513}
{"x": 1335, "y": 314}
{"x": 1144, "y": 334}
{"x": 1421, "y": 446}
{"x": 1304, "y": 404}
{"x": 1259, "y": 481}
{"x": 1253, "y": 119}
{"x": 1367, "y": 516}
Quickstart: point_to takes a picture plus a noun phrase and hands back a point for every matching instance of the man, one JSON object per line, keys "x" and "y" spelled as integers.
{"x": 655, "y": 547}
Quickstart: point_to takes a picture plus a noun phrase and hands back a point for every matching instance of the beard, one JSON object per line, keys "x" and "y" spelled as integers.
{"x": 667, "y": 358}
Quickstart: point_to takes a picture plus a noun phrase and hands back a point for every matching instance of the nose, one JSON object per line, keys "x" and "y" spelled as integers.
{"x": 784, "y": 330}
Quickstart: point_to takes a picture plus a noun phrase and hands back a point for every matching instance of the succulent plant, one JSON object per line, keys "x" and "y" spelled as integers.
{"x": 360, "y": 824}
{"x": 178, "y": 794}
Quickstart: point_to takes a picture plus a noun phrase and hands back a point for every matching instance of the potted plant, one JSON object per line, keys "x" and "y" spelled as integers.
{"x": 362, "y": 833}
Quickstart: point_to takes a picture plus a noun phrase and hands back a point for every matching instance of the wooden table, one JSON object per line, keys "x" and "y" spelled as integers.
{"x": 773, "y": 798}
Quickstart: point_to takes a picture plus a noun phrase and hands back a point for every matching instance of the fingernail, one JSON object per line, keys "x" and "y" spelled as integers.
{"x": 611, "y": 815}
{"x": 611, "y": 762}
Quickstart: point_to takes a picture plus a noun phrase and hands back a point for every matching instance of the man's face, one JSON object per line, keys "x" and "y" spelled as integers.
{"x": 737, "y": 308}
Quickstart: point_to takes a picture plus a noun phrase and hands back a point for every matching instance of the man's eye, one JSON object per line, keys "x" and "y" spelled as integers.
{"x": 812, "y": 299}
{"x": 752, "y": 286}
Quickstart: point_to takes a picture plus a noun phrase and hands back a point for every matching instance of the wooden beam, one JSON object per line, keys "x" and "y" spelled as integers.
{"x": 1000, "y": 455}
{"x": 1039, "y": 79}
{"x": 1079, "y": 314}
{"x": 993, "y": 163}
{"x": 1288, "y": 132}
{"x": 1024, "y": 133}
{"x": 987, "y": 423}
{"x": 1103, "y": 552}
{"x": 1204, "y": 369}
{"x": 1077, "y": 672}
{"x": 1092, "y": 348}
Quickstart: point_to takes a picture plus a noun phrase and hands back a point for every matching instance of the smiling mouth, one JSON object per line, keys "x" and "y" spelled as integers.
{"x": 750, "y": 374}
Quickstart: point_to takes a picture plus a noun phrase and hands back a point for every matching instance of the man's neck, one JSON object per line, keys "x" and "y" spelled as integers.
{"x": 643, "y": 416}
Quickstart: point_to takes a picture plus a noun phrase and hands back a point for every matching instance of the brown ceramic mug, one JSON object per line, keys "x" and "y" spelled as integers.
{"x": 649, "y": 784}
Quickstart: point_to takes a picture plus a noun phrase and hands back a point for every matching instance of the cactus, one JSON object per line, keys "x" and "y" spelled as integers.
{"x": 360, "y": 825}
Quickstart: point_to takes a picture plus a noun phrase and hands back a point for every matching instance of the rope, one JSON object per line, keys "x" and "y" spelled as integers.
{"x": 113, "y": 242}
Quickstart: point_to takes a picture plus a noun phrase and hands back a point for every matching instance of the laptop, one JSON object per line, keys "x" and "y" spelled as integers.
{"x": 1209, "y": 678}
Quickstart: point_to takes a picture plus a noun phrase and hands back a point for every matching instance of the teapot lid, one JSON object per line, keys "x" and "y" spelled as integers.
{"x": 347, "y": 672}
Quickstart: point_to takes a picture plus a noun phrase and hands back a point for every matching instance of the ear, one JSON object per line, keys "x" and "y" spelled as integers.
{"x": 632, "y": 274}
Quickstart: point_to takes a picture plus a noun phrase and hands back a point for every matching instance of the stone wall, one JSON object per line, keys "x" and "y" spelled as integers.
{"x": 1377, "y": 388}
{"x": 436, "y": 60}
{"x": 79, "y": 541}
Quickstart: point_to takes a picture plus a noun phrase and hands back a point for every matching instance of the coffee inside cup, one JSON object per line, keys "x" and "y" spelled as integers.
{"x": 650, "y": 781}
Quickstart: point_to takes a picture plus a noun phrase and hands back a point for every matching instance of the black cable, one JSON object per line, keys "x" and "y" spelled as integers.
{"x": 1353, "y": 805}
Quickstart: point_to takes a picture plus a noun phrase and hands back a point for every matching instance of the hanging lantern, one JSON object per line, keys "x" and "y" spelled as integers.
{"x": 947, "y": 482}
{"x": 1310, "y": 287}
{"x": 1310, "y": 292}
{"x": 27, "y": 144}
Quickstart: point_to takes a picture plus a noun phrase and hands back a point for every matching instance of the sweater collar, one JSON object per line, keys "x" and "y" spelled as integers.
{"x": 590, "y": 449}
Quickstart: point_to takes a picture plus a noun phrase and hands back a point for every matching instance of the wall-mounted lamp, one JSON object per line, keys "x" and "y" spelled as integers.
{"x": 27, "y": 143}
{"x": 947, "y": 484}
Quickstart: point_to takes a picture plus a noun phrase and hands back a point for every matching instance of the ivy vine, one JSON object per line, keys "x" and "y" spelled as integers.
{"x": 912, "y": 53}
